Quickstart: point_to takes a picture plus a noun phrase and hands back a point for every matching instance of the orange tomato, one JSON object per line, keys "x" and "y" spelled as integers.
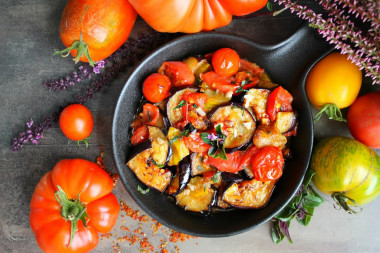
{"x": 333, "y": 80}
{"x": 225, "y": 61}
{"x": 101, "y": 26}
{"x": 192, "y": 16}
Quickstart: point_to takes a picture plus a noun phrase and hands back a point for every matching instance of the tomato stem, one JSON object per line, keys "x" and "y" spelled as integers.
{"x": 332, "y": 111}
{"x": 82, "y": 49}
{"x": 71, "y": 210}
{"x": 342, "y": 201}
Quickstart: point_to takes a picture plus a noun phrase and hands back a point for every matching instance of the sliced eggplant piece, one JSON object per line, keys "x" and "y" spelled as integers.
{"x": 285, "y": 121}
{"x": 198, "y": 167}
{"x": 184, "y": 173}
{"x": 268, "y": 135}
{"x": 172, "y": 189}
{"x": 251, "y": 194}
{"x": 198, "y": 196}
{"x": 148, "y": 173}
{"x": 247, "y": 173}
{"x": 148, "y": 158}
{"x": 231, "y": 177}
{"x": 196, "y": 114}
{"x": 238, "y": 124}
{"x": 257, "y": 100}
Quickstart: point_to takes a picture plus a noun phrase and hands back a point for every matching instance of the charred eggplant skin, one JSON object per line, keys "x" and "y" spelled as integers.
{"x": 135, "y": 150}
{"x": 184, "y": 173}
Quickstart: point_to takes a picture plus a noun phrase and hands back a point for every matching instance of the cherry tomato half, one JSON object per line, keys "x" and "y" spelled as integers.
{"x": 225, "y": 61}
{"x": 140, "y": 134}
{"x": 232, "y": 164}
{"x": 279, "y": 100}
{"x": 218, "y": 82}
{"x": 178, "y": 72}
{"x": 195, "y": 143}
{"x": 156, "y": 87}
{"x": 76, "y": 122}
{"x": 267, "y": 164}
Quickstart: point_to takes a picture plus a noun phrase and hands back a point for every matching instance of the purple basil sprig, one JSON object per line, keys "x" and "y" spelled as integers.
{"x": 361, "y": 45}
{"x": 126, "y": 56}
{"x": 301, "y": 207}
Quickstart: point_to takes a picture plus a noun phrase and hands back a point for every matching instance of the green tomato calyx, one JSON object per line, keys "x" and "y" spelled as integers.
{"x": 342, "y": 201}
{"x": 82, "y": 49}
{"x": 71, "y": 210}
{"x": 332, "y": 111}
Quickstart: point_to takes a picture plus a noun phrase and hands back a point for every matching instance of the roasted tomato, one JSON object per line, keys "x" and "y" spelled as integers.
{"x": 225, "y": 62}
{"x": 179, "y": 73}
{"x": 279, "y": 100}
{"x": 195, "y": 143}
{"x": 268, "y": 163}
{"x": 232, "y": 164}
{"x": 218, "y": 82}
{"x": 93, "y": 29}
{"x": 70, "y": 205}
{"x": 140, "y": 135}
{"x": 76, "y": 122}
{"x": 156, "y": 87}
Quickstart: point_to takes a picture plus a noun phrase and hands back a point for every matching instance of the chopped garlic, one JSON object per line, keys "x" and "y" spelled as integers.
{"x": 247, "y": 125}
{"x": 229, "y": 94}
{"x": 200, "y": 111}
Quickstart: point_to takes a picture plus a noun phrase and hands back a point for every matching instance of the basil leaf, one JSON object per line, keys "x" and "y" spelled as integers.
{"x": 205, "y": 139}
{"x": 158, "y": 165}
{"x": 269, "y": 6}
{"x": 189, "y": 128}
{"x": 142, "y": 190}
{"x": 222, "y": 153}
{"x": 180, "y": 104}
{"x": 277, "y": 235}
{"x": 218, "y": 130}
{"x": 216, "y": 177}
{"x": 174, "y": 139}
{"x": 311, "y": 201}
{"x": 309, "y": 175}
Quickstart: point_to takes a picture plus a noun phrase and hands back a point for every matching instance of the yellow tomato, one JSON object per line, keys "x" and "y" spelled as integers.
{"x": 333, "y": 80}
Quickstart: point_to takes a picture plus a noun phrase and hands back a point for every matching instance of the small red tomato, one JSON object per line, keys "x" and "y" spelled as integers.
{"x": 232, "y": 164}
{"x": 179, "y": 73}
{"x": 279, "y": 100}
{"x": 363, "y": 119}
{"x": 195, "y": 143}
{"x": 225, "y": 62}
{"x": 156, "y": 87}
{"x": 267, "y": 163}
{"x": 76, "y": 122}
{"x": 140, "y": 134}
{"x": 218, "y": 82}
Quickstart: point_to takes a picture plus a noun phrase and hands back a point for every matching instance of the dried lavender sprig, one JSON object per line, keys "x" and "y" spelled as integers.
{"x": 335, "y": 34}
{"x": 130, "y": 53}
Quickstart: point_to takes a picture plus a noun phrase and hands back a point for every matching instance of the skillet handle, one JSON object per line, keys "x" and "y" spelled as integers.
{"x": 297, "y": 53}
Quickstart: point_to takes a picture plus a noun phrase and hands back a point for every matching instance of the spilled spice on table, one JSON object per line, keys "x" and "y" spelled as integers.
{"x": 146, "y": 228}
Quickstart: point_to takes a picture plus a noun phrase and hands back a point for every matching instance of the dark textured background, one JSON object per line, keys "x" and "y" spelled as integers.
{"x": 28, "y": 36}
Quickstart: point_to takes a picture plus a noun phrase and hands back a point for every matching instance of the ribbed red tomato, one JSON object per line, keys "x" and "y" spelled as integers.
{"x": 95, "y": 28}
{"x": 72, "y": 204}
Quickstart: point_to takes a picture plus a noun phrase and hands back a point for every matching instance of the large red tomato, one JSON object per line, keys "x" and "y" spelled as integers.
{"x": 192, "y": 16}
{"x": 95, "y": 27}
{"x": 363, "y": 119}
{"x": 70, "y": 205}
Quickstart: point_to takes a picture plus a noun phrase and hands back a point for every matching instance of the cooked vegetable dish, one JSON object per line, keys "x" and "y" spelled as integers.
{"x": 212, "y": 132}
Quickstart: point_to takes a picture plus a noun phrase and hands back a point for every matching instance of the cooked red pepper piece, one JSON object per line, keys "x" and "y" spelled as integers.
{"x": 232, "y": 164}
{"x": 279, "y": 100}
{"x": 221, "y": 83}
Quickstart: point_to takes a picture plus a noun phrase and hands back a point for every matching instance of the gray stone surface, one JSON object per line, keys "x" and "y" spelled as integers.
{"x": 28, "y": 35}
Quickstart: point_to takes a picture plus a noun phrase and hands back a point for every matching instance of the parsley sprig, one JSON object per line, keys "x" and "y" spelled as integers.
{"x": 300, "y": 207}
{"x": 216, "y": 141}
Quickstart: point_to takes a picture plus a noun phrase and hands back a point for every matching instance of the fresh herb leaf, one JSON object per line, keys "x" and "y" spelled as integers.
{"x": 199, "y": 168}
{"x": 215, "y": 178}
{"x": 241, "y": 88}
{"x": 142, "y": 190}
{"x": 158, "y": 165}
{"x": 269, "y": 6}
{"x": 205, "y": 138}
{"x": 188, "y": 129}
{"x": 204, "y": 187}
{"x": 300, "y": 207}
{"x": 174, "y": 139}
{"x": 195, "y": 105}
{"x": 181, "y": 103}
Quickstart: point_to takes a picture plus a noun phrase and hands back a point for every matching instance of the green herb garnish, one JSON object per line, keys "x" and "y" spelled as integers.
{"x": 300, "y": 207}
{"x": 216, "y": 177}
{"x": 156, "y": 164}
{"x": 174, "y": 139}
{"x": 216, "y": 141}
{"x": 181, "y": 103}
{"x": 142, "y": 190}
{"x": 241, "y": 88}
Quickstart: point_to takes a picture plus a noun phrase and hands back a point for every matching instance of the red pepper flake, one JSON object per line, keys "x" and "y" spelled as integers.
{"x": 125, "y": 228}
{"x": 101, "y": 163}
{"x": 146, "y": 246}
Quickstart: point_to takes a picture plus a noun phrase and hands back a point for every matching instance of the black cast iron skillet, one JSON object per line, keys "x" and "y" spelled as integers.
{"x": 286, "y": 63}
